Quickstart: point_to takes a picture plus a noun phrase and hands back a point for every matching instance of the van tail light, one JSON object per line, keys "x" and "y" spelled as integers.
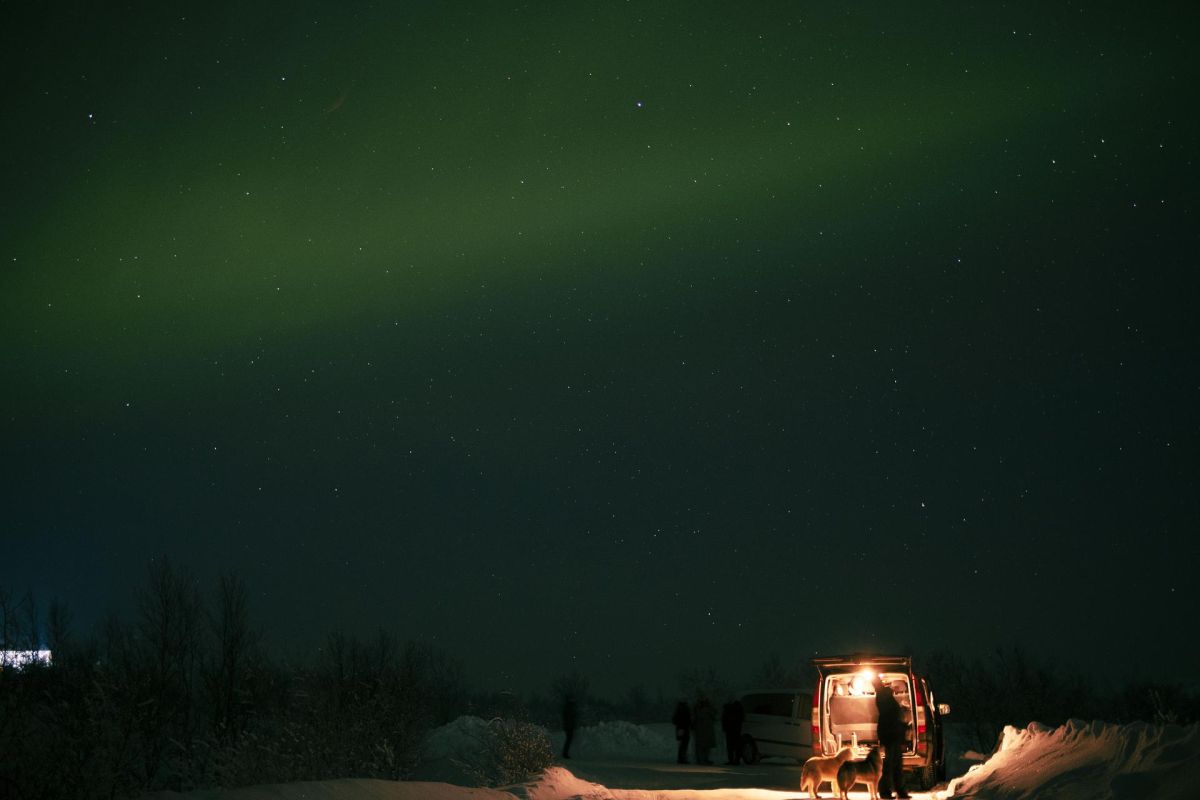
{"x": 922, "y": 744}
{"x": 818, "y": 749}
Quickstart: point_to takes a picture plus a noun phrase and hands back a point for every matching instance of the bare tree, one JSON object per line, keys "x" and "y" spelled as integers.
{"x": 225, "y": 670}
{"x": 433, "y": 681}
{"x": 169, "y": 613}
{"x": 573, "y": 684}
{"x": 9, "y": 625}
{"x": 699, "y": 682}
{"x": 58, "y": 627}
{"x": 31, "y": 639}
{"x": 774, "y": 672}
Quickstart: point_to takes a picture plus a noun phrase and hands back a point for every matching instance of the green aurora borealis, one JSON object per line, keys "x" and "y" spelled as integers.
{"x": 644, "y": 317}
{"x": 513, "y": 151}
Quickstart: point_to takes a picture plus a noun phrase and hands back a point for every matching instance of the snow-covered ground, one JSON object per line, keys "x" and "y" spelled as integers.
{"x": 1088, "y": 760}
{"x": 621, "y": 761}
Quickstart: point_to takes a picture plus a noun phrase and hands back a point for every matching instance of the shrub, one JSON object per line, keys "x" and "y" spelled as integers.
{"x": 511, "y": 752}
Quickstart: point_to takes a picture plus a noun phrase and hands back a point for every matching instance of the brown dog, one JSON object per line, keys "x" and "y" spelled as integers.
{"x": 819, "y": 769}
{"x": 867, "y": 771}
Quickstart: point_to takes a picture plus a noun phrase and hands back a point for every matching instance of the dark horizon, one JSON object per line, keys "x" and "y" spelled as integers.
{"x": 614, "y": 338}
{"x": 737, "y": 671}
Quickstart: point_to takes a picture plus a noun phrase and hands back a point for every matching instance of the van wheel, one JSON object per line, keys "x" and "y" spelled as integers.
{"x": 927, "y": 777}
{"x": 749, "y": 750}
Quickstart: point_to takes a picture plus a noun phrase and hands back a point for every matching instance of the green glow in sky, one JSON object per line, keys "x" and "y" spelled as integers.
{"x": 341, "y": 188}
{"x": 540, "y": 301}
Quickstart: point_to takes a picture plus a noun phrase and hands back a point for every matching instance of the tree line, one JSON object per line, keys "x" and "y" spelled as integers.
{"x": 1009, "y": 686}
{"x": 184, "y": 695}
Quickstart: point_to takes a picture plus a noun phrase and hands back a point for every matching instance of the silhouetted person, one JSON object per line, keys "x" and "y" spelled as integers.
{"x": 570, "y": 717}
{"x": 892, "y": 730}
{"x": 682, "y": 720}
{"x": 732, "y": 717}
{"x": 703, "y": 717}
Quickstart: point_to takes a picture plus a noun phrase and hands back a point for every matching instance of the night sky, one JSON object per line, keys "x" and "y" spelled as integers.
{"x": 628, "y": 337}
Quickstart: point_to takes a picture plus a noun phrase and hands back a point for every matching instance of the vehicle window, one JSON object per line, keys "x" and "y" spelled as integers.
{"x": 857, "y": 684}
{"x": 776, "y": 704}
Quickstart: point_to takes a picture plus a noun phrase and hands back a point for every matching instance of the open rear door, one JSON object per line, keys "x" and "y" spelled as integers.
{"x": 863, "y": 661}
{"x": 850, "y": 717}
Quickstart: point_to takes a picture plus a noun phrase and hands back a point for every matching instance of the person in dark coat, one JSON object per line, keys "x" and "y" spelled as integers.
{"x": 892, "y": 730}
{"x": 682, "y": 719}
{"x": 570, "y": 718}
{"x": 704, "y": 718}
{"x": 732, "y": 717}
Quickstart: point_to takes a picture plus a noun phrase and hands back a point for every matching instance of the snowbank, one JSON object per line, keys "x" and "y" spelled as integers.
{"x": 340, "y": 790}
{"x": 1089, "y": 761}
{"x": 963, "y": 748}
{"x": 471, "y": 750}
{"x": 621, "y": 741}
{"x": 1078, "y": 761}
{"x": 462, "y": 739}
{"x": 558, "y": 783}
{"x": 451, "y": 751}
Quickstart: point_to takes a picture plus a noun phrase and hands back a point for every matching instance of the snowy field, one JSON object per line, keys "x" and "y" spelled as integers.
{"x": 621, "y": 761}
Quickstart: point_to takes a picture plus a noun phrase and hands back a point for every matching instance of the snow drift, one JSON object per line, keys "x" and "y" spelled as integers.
{"x": 622, "y": 741}
{"x": 1077, "y": 761}
{"x": 1091, "y": 760}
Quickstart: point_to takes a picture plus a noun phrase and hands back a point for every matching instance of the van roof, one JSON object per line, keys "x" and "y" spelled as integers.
{"x": 858, "y": 660}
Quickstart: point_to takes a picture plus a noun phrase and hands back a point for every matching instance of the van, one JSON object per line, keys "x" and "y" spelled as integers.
{"x": 844, "y": 712}
{"x": 776, "y": 724}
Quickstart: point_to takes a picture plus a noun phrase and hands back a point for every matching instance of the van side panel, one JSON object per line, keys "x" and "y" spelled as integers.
{"x": 779, "y": 723}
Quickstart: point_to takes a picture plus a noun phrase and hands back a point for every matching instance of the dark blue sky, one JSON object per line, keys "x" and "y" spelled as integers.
{"x": 631, "y": 338}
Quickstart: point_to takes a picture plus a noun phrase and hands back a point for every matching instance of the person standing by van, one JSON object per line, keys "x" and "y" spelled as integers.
{"x": 570, "y": 718}
{"x": 682, "y": 720}
{"x": 891, "y": 736}
{"x": 704, "y": 717}
{"x": 732, "y": 718}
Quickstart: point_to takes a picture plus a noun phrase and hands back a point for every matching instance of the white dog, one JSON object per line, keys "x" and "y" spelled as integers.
{"x": 819, "y": 769}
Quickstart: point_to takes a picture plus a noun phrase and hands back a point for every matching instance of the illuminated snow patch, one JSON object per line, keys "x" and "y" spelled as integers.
{"x": 18, "y": 659}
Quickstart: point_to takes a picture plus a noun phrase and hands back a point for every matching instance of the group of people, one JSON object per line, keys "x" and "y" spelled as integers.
{"x": 687, "y": 719}
{"x": 700, "y": 719}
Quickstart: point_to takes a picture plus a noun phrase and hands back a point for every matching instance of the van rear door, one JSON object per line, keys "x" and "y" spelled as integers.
{"x": 850, "y": 714}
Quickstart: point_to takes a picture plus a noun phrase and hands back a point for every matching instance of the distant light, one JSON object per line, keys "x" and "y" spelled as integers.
{"x": 19, "y": 659}
{"x": 640, "y": 104}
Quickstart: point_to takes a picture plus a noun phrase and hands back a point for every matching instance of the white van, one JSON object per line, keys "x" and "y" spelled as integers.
{"x": 844, "y": 711}
{"x": 777, "y": 724}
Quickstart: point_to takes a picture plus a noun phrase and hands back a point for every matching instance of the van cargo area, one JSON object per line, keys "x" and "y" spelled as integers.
{"x": 844, "y": 712}
{"x": 853, "y": 716}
